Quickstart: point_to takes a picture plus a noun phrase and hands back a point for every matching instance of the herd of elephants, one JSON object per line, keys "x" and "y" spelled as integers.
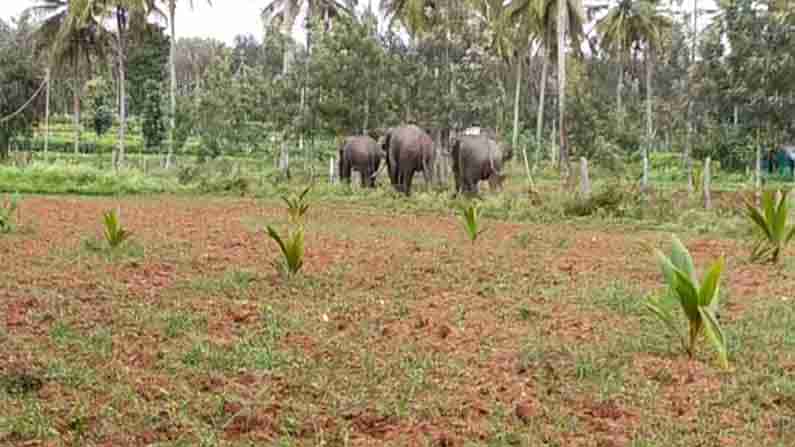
{"x": 408, "y": 149}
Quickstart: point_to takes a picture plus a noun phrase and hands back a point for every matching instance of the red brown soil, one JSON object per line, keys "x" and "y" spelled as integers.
{"x": 48, "y": 277}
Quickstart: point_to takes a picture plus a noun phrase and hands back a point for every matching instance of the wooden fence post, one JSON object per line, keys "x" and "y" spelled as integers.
{"x": 706, "y": 187}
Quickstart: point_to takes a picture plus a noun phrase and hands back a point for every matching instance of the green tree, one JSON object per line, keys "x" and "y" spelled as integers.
{"x": 68, "y": 40}
{"x": 122, "y": 12}
{"x": 172, "y": 65}
{"x": 20, "y": 82}
{"x": 630, "y": 24}
{"x": 562, "y": 19}
{"x": 154, "y": 126}
{"x": 147, "y": 59}
{"x": 99, "y": 96}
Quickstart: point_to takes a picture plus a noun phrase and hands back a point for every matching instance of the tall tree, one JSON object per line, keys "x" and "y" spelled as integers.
{"x": 20, "y": 83}
{"x": 121, "y": 11}
{"x": 628, "y": 25}
{"x": 561, "y": 19}
{"x": 172, "y": 12}
{"x": 67, "y": 41}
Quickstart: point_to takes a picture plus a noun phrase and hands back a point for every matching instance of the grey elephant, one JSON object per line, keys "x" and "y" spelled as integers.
{"x": 359, "y": 153}
{"x": 476, "y": 158}
{"x": 408, "y": 150}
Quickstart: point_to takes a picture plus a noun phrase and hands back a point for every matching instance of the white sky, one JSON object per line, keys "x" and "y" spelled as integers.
{"x": 225, "y": 19}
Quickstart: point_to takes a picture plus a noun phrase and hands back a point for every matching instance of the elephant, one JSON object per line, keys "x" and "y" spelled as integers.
{"x": 476, "y": 158}
{"x": 408, "y": 150}
{"x": 359, "y": 153}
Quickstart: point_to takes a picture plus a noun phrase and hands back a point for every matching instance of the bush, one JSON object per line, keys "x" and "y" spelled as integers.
{"x": 613, "y": 200}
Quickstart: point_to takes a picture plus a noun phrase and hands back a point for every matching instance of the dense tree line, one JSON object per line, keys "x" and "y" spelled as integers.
{"x": 557, "y": 78}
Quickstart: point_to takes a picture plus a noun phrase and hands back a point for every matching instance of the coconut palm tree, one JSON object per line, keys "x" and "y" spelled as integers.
{"x": 287, "y": 12}
{"x": 633, "y": 24}
{"x": 67, "y": 42}
{"x": 172, "y": 11}
{"x": 561, "y": 19}
{"x": 120, "y": 12}
{"x": 417, "y": 16}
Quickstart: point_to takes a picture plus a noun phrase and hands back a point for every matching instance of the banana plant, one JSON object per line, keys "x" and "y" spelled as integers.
{"x": 471, "y": 218}
{"x": 699, "y": 303}
{"x": 771, "y": 221}
{"x": 297, "y": 206}
{"x": 115, "y": 234}
{"x": 292, "y": 248}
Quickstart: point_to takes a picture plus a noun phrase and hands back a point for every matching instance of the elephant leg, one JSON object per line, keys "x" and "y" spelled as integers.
{"x": 409, "y": 177}
{"x": 394, "y": 175}
{"x": 345, "y": 172}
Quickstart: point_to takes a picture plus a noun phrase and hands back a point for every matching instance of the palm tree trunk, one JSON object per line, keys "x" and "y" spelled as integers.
{"x": 541, "y": 99}
{"x": 47, "y": 114}
{"x": 563, "y": 12}
{"x": 649, "y": 123}
{"x": 687, "y": 155}
{"x": 172, "y": 9}
{"x": 516, "y": 102}
{"x": 76, "y": 101}
{"x": 120, "y": 23}
{"x": 619, "y": 89}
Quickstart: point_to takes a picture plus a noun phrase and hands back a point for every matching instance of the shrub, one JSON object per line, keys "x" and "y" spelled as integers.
{"x": 771, "y": 221}
{"x": 699, "y": 303}
{"x": 612, "y": 200}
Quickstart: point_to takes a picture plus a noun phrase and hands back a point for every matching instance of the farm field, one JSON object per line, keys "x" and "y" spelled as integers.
{"x": 399, "y": 332}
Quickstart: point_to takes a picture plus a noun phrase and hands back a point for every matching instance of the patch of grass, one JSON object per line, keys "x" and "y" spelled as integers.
{"x": 69, "y": 374}
{"x": 618, "y": 297}
{"x": 129, "y": 251}
{"x": 231, "y": 283}
{"x": 20, "y": 383}
{"x": 60, "y": 178}
{"x": 28, "y": 422}
{"x": 179, "y": 323}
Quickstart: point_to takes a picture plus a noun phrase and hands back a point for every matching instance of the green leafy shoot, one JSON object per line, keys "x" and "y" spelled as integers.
{"x": 471, "y": 217}
{"x": 699, "y": 303}
{"x": 7, "y": 211}
{"x": 297, "y": 206}
{"x": 771, "y": 221}
{"x": 292, "y": 249}
{"x": 115, "y": 234}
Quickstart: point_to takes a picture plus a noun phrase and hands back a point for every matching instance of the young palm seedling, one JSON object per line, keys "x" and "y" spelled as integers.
{"x": 7, "y": 210}
{"x": 471, "y": 217}
{"x": 292, "y": 249}
{"x": 115, "y": 234}
{"x": 297, "y": 206}
{"x": 771, "y": 221}
{"x": 699, "y": 303}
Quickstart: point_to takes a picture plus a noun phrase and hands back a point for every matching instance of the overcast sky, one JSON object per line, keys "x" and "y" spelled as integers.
{"x": 228, "y": 18}
{"x": 223, "y": 21}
